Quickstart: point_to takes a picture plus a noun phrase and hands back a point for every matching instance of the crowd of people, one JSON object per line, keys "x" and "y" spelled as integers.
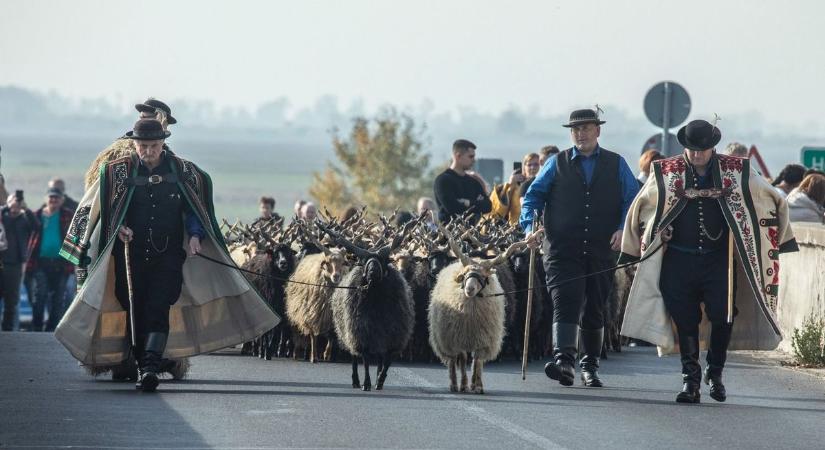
{"x": 30, "y": 242}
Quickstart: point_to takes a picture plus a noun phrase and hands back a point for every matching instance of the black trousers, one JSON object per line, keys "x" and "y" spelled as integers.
{"x": 582, "y": 301}
{"x": 156, "y": 284}
{"x": 687, "y": 281}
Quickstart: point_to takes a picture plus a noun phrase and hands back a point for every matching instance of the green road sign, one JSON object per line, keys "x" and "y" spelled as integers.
{"x": 813, "y": 157}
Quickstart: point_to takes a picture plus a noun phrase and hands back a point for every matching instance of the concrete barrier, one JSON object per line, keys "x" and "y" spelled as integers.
{"x": 801, "y": 280}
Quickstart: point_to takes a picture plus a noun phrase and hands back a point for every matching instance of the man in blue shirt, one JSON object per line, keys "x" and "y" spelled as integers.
{"x": 584, "y": 193}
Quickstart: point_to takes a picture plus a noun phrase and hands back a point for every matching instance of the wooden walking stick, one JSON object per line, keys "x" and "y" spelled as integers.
{"x": 131, "y": 295}
{"x": 530, "y": 285}
{"x": 731, "y": 275}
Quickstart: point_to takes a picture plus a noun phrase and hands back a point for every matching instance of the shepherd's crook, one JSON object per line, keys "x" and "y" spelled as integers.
{"x": 530, "y": 282}
{"x": 131, "y": 295}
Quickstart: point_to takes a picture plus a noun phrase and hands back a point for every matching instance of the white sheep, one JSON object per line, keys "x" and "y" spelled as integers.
{"x": 466, "y": 315}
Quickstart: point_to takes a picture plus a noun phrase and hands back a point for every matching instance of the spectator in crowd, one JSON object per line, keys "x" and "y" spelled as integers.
{"x": 46, "y": 270}
{"x": 266, "y": 206}
{"x": 506, "y": 198}
{"x": 546, "y": 152}
{"x": 788, "y": 179}
{"x": 308, "y": 212}
{"x": 806, "y": 203}
{"x": 297, "y": 207}
{"x": 3, "y": 192}
{"x": 738, "y": 150}
{"x": 427, "y": 205}
{"x": 19, "y": 223}
{"x": 644, "y": 164}
{"x": 813, "y": 171}
{"x": 458, "y": 189}
{"x": 68, "y": 202}
{"x": 71, "y": 204}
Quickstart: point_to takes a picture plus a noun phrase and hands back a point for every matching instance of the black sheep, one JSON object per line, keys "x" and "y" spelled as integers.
{"x": 276, "y": 265}
{"x": 373, "y": 315}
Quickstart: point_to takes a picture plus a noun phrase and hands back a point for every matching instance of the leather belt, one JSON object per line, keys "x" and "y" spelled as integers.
{"x": 703, "y": 193}
{"x": 154, "y": 179}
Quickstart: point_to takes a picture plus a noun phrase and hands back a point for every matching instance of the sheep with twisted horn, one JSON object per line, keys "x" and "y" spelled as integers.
{"x": 467, "y": 314}
{"x": 374, "y": 318}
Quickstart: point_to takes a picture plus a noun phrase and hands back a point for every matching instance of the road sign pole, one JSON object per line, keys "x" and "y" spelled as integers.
{"x": 666, "y": 120}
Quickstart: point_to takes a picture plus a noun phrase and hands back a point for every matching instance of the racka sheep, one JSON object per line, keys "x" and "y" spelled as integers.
{"x": 308, "y": 294}
{"x": 374, "y": 316}
{"x": 467, "y": 315}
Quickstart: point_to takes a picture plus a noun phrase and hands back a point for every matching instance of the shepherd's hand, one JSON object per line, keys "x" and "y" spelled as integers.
{"x": 194, "y": 245}
{"x": 616, "y": 241}
{"x": 125, "y": 233}
{"x": 667, "y": 233}
{"x": 534, "y": 239}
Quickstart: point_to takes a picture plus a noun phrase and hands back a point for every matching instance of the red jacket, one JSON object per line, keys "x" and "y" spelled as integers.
{"x": 36, "y": 237}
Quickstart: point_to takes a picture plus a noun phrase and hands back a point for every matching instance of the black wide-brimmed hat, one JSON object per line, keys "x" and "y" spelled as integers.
{"x": 148, "y": 130}
{"x": 699, "y": 135}
{"x": 152, "y": 105}
{"x": 581, "y": 116}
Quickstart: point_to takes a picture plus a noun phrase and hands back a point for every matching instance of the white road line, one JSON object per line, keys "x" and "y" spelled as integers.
{"x": 500, "y": 422}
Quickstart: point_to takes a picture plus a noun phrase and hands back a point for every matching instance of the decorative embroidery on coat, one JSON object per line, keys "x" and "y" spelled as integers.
{"x": 81, "y": 220}
{"x": 118, "y": 174}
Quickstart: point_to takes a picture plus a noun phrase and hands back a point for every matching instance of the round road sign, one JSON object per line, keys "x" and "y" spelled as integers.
{"x": 667, "y": 100}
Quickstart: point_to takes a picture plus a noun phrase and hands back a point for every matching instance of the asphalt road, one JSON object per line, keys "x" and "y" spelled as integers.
{"x": 233, "y": 401}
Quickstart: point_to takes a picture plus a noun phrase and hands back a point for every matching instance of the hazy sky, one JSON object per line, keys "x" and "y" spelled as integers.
{"x": 732, "y": 56}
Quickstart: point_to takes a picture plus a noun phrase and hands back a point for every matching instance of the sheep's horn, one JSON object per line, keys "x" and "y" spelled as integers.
{"x": 518, "y": 246}
{"x": 465, "y": 260}
{"x": 340, "y": 240}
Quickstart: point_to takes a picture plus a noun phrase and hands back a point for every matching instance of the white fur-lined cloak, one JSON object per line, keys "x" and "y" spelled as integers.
{"x": 756, "y": 214}
{"x": 217, "y": 307}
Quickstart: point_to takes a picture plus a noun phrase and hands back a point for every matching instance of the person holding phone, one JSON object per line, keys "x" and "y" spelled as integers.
{"x": 506, "y": 198}
{"x": 19, "y": 223}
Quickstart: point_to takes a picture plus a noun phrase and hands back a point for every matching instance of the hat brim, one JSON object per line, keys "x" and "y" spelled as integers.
{"x": 582, "y": 122}
{"x": 151, "y": 109}
{"x": 680, "y": 136}
{"x": 131, "y": 135}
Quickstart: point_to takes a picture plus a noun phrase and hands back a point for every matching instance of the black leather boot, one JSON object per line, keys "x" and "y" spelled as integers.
{"x": 713, "y": 377}
{"x": 716, "y": 357}
{"x": 691, "y": 370}
{"x": 566, "y": 342}
{"x": 592, "y": 346}
{"x": 150, "y": 365}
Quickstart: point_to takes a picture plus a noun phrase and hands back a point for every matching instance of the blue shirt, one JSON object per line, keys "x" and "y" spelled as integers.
{"x": 536, "y": 195}
{"x": 51, "y": 240}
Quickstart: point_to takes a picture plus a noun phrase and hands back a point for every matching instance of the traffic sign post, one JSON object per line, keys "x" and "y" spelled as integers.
{"x": 813, "y": 157}
{"x": 667, "y": 105}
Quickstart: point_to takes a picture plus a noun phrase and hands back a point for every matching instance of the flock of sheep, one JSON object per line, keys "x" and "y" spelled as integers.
{"x": 381, "y": 290}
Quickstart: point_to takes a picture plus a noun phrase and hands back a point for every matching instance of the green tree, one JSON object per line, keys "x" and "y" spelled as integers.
{"x": 381, "y": 164}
